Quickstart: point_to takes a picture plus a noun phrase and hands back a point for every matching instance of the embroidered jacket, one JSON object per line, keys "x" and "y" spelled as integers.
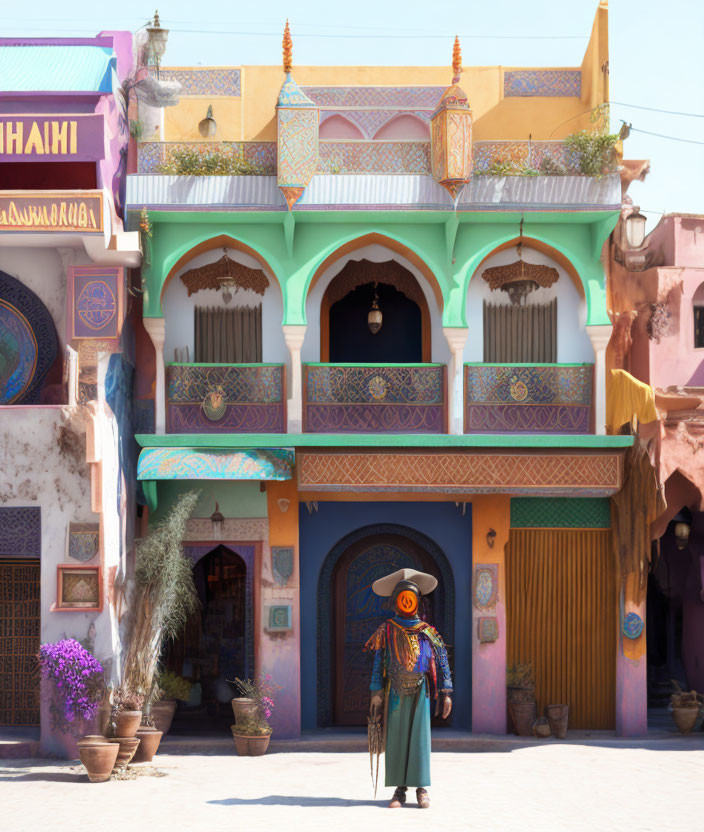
{"x": 411, "y": 645}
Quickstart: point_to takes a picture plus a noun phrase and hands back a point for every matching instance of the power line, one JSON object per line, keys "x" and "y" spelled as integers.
{"x": 657, "y": 110}
{"x": 663, "y": 136}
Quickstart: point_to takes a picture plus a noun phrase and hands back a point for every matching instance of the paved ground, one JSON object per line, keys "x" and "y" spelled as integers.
{"x": 551, "y": 787}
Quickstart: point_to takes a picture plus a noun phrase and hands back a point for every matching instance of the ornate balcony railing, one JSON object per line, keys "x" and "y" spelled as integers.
{"x": 226, "y": 398}
{"x": 528, "y": 398}
{"x": 374, "y": 398}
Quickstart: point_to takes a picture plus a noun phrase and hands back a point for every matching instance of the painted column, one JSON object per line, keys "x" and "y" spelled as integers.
{"x": 280, "y": 650}
{"x": 490, "y": 513}
{"x": 631, "y": 668}
{"x": 156, "y": 327}
{"x": 294, "y": 335}
{"x": 599, "y": 335}
{"x": 456, "y": 338}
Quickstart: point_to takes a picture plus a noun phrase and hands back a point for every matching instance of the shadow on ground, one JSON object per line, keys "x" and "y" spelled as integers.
{"x": 284, "y": 800}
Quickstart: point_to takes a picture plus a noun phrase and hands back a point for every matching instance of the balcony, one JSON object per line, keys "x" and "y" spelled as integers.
{"x": 375, "y": 398}
{"x": 528, "y": 398}
{"x": 226, "y": 398}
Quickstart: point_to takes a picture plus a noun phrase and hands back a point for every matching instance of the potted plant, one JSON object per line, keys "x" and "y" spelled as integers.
{"x": 170, "y": 687}
{"x": 252, "y": 731}
{"x": 520, "y": 689}
{"x": 685, "y": 708}
{"x": 77, "y": 683}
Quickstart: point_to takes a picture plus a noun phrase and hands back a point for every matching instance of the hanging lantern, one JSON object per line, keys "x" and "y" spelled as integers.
{"x": 157, "y": 41}
{"x": 635, "y": 229}
{"x": 218, "y": 521}
{"x": 375, "y": 318}
{"x": 451, "y": 133}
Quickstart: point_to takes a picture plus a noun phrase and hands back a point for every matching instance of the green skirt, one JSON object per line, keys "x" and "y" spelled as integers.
{"x": 408, "y": 739}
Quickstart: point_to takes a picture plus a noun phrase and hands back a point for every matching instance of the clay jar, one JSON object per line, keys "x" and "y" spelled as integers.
{"x": 250, "y": 746}
{"x": 126, "y": 746}
{"x": 127, "y": 723}
{"x": 244, "y": 709}
{"x": 558, "y": 716}
{"x": 98, "y": 758}
{"x": 685, "y": 718}
{"x": 163, "y": 714}
{"x": 523, "y": 715}
{"x": 149, "y": 739}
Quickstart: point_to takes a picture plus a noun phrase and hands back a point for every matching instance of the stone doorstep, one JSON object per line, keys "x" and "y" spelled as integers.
{"x": 18, "y": 749}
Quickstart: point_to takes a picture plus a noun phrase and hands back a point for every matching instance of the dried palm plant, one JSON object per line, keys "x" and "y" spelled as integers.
{"x": 165, "y": 596}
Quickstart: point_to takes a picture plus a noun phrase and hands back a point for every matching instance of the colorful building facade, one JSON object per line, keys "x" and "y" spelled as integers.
{"x": 67, "y": 458}
{"x": 464, "y": 435}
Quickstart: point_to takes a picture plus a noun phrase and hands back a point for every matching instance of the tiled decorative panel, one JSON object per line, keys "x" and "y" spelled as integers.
{"x": 207, "y": 81}
{"x": 520, "y": 398}
{"x": 460, "y": 471}
{"x": 231, "y": 398}
{"x": 341, "y": 399}
{"x": 261, "y": 154}
{"x": 560, "y": 513}
{"x": 414, "y": 98}
{"x": 83, "y": 541}
{"x": 215, "y": 464}
{"x": 95, "y": 301}
{"x": 524, "y": 154}
{"x": 21, "y": 532}
{"x": 563, "y": 83}
{"x": 78, "y": 587}
{"x": 374, "y": 157}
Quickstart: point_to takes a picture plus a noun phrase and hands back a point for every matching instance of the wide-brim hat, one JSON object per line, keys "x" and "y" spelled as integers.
{"x": 385, "y": 586}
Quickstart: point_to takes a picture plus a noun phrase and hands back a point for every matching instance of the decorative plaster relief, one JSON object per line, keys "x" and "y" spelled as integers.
{"x": 21, "y": 532}
{"x": 486, "y": 586}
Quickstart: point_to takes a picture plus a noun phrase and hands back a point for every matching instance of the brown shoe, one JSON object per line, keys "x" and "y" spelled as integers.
{"x": 399, "y": 798}
{"x": 423, "y": 799}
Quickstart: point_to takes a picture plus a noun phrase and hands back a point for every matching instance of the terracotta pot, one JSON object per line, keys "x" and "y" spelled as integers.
{"x": 685, "y": 718}
{"x": 244, "y": 709}
{"x": 558, "y": 716}
{"x": 91, "y": 739}
{"x": 523, "y": 715}
{"x": 127, "y": 723}
{"x": 149, "y": 739}
{"x": 99, "y": 760}
{"x": 249, "y": 746}
{"x": 163, "y": 714}
{"x": 126, "y": 748}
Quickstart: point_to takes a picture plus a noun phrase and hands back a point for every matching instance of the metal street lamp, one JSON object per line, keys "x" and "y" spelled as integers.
{"x": 157, "y": 41}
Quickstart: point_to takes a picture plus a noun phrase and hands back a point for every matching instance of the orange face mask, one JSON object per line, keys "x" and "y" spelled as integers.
{"x": 407, "y": 602}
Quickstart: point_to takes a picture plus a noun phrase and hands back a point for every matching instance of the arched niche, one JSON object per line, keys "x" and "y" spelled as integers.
{"x": 337, "y": 127}
{"x": 29, "y": 346}
{"x": 376, "y": 249}
{"x": 573, "y": 344}
{"x": 179, "y": 306}
{"x": 698, "y": 316}
{"x": 404, "y": 127}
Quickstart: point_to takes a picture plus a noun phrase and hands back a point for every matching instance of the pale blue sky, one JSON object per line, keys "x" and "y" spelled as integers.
{"x": 656, "y": 53}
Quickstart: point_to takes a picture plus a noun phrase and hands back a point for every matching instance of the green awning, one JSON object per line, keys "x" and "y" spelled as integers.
{"x": 216, "y": 464}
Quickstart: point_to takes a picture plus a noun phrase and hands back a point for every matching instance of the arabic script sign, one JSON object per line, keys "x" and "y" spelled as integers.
{"x": 51, "y": 211}
{"x": 51, "y": 138}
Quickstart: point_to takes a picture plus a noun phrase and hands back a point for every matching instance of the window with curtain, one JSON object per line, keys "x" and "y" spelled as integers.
{"x": 520, "y": 334}
{"x": 698, "y": 327}
{"x": 228, "y": 336}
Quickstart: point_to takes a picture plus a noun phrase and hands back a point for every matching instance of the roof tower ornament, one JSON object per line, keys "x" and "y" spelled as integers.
{"x": 297, "y": 120}
{"x": 451, "y": 133}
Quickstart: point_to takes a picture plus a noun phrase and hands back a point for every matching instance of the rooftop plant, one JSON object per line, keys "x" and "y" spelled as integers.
{"x": 596, "y": 148}
{"x": 685, "y": 699}
{"x": 192, "y": 162}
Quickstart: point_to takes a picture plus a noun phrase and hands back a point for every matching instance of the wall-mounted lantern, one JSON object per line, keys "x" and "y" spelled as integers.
{"x": 208, "y": 126}
{"x": 491, "y": 538}
{"x": 682, "y": 531}
{"x": 218, "y": 522}
{"x": 157, "y": 41}
{"x": 375, "y": 318}
{"x": 635, "y": 229}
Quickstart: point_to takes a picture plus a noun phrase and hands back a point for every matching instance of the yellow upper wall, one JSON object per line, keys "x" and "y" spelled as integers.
{"x": 252, "y": 117}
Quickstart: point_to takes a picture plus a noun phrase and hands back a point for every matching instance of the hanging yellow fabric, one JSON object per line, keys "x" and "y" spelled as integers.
{"x": 561, "y": 618}
{"x": 628, "y": 399}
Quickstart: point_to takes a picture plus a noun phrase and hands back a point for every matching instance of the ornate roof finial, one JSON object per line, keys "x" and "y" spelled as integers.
{"x": 288, "y": 48}
{"x": 456, "y": 61}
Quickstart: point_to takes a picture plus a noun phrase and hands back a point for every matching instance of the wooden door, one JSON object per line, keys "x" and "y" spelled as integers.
{"x": 19, "y": 642}
{"x": 357, "y": 612}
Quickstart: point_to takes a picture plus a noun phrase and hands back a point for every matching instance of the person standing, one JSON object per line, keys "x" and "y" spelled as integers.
{"x": 410, "y": 671}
